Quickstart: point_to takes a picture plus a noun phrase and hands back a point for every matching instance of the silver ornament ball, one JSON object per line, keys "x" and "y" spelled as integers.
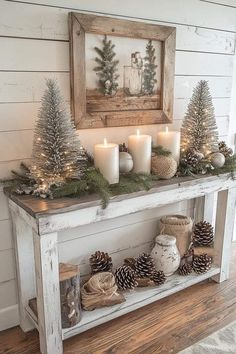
{"x": 217, "y": 160}
{"x": 125, "y": 162}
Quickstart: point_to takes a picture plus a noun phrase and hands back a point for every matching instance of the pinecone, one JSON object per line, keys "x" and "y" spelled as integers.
{"x": 191, "y": 158}
{"x": 203, "y": 234}
{"x": 158, "y": 277}
{"x": 144, "y": 265}
{"x": 185, "y": 269}
{"x": 224, "y": 149}
{"x": 100, "y": 262}
{"x": 202, "y": 263}
{"x": 125, "y": 278}
{"x": 123, "y": 148}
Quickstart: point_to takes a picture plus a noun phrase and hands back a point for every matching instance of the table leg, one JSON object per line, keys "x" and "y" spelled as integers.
{"x": 48, "y": 293}
{"x": 24, "y": 252}
{"x": 205, "y": 208}
{"x": 225, "y": 216}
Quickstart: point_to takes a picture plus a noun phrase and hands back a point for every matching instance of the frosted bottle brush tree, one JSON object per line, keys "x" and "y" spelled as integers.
{"x": 199, "y": 131}
{"x": 57, "y": 153}
{"x": 107, "y": 68}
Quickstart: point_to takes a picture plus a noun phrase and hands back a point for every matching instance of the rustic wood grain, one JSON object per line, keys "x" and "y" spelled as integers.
{"x": 92, "y": 114}
{"x": 96, "y": 102}
{"x": 164, "y": 327}
{"x": 77, "y": 69}
{"x": 34, "y": 206}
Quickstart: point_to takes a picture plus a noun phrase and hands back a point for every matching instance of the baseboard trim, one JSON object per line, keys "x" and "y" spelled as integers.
{"x": 9, "y": 317}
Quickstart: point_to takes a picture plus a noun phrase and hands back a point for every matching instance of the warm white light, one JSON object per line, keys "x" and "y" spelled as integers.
{"x": 167, "y": 129}
{"x": 105, "y": 141}
{"x": 138, "y": 132}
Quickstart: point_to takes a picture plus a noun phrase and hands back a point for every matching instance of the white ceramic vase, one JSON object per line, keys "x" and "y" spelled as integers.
{"x": 165, "y": 254}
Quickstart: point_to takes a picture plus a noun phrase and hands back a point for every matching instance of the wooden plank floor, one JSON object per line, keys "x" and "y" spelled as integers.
{"x": 164, "y": 327}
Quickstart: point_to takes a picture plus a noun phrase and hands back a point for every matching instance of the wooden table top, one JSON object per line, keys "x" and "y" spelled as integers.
{"x": 38, "y": 206}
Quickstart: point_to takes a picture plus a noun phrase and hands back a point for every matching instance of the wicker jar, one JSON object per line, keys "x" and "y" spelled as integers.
{"x": 179, "y": 226}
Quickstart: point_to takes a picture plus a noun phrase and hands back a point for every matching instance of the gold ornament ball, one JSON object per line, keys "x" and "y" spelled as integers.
{"x": 125, "y": 162}
{"x": 217, "y": 160}
{"x": 164, "y": 166}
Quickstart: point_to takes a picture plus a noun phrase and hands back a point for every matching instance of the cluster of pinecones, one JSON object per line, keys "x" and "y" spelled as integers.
{"x": 191, "y": 158}
{"x": 126, "y": 275}
{"x": 203, "y": 235}
{"x": 200, "y": 264}
{"x": 142, "y": 267}
{"x": 224, "y": 149}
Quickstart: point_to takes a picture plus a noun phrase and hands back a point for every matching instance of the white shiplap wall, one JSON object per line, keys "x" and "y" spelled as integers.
{"x": 34, "y": 46}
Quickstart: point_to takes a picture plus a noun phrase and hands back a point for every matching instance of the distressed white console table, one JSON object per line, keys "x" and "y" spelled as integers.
{"x": 36, "y": 224}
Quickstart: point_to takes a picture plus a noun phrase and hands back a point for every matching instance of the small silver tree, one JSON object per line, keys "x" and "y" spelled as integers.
{"x": 199, "y": 130}
{"x": 57, "y": 153}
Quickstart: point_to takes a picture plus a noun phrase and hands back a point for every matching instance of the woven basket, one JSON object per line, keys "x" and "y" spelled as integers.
{"x": 179, "y": 226}
{"x": 164, "y": 166}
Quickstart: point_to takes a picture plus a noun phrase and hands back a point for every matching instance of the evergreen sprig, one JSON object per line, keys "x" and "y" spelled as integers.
{"x": 160, "y": 150}
{"x": 132, "y": 182}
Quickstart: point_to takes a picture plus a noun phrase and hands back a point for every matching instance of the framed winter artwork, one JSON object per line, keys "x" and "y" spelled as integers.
{"x": 122, "y": 72}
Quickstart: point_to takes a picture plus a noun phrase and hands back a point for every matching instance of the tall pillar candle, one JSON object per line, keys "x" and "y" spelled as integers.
{"x": 170, "y": 140}
{"x": 106, "y": 159}
{"x": 140, "y": 147}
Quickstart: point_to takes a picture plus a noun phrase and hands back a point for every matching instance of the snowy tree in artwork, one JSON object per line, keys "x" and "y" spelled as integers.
{"x": 149, "y": 72}
{"x": 107, "y": 68}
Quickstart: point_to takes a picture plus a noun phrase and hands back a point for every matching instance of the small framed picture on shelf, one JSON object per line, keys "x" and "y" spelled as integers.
{"x": 122, "y": 72}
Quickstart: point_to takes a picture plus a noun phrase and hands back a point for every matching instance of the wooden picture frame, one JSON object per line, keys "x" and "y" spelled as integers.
{"x": 79, "y": 25}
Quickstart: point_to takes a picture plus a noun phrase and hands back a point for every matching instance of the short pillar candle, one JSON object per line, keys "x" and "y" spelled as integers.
{"x": 140, "y": 147}
{"x": 170, "y": 140}
{"x": 106, "y": 159}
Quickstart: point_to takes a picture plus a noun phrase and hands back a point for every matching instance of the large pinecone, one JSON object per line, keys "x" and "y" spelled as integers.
{"x": 100, "y": 262}
{"x": 191, "y": 158}
{"x": 203, "y": 234}
{"x": 185, "y": 269}
{"x": 125, "y": 278}
{"x": 144, "y": 265}
{"x": 158, "y": 277}
{"x": 224, "y": 149}
{"x": 202, "y": 263}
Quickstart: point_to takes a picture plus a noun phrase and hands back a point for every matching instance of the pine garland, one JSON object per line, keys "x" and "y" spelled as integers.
{"x": 160, "y": 150}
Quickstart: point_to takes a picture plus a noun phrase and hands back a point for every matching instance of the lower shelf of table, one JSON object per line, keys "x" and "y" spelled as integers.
{"x": 134, "y": 300}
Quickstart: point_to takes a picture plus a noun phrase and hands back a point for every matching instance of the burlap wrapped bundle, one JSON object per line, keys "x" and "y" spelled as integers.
{"x": 100, "y": 291}
{"x": 179, "y": 226}
{"x": 164, "y": 166}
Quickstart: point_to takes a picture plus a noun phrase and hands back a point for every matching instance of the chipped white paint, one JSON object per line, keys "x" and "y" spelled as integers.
{"x": 46, "y": 225}
{"x": 25, "y": 266}
{"x": 136, "y": 299}
{"x": 129, "y": 204}
{"x": 48, "y": 293}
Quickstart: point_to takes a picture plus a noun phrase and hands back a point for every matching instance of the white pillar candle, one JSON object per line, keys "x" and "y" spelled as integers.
{"x": 106, "y": 159}
{"x": 170, "y": 141}
{"x": 140, "y": 147}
